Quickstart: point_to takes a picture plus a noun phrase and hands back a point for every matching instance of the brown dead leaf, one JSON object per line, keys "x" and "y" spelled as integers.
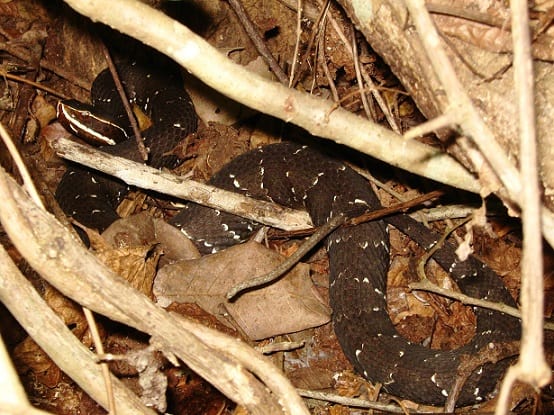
{"x": 28, "y": 356}
{"x": 137, "y": 265}
{"x": 142, "y": 229}
{"x": 289, "y": 305}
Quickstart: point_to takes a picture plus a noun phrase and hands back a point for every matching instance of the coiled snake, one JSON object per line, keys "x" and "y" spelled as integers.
{"x": 301, "y": 177}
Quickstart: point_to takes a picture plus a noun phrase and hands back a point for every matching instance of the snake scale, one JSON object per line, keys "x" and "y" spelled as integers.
{"x": 302, "y": 177}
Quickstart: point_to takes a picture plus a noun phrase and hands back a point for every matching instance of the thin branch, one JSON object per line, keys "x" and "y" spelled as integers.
{"x": 531, "y": 366}
{"x": 145, "y": 177}
{"x": 125, "y": 101}
{"x": 291, "y": 261}
{"x": 459, "y": 102}
{"x": 257, "y": 40}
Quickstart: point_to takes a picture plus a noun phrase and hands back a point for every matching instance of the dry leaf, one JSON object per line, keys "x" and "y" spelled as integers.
{"x": 289, "y": 305}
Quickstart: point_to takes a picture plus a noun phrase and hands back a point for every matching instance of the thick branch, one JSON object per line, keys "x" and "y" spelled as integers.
{"x": 317, "y": 116}
{"x": 78, "y": 274}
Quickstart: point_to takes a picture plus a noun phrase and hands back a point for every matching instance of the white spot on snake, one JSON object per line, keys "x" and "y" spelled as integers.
{"x": 480, "y": 370}
{"x": 358, "y": 353}
{"x": 341, "y": 168}
{"x": 232, "y": 176}
{"x": 94, "y": 196}
{"x": 186, "y": 233}
{"x": 335, "y": 198}
{"x": 379, "y": 334}
{"x": 217, "y": 212}
{"x": 95, "y": 211}
{"x": 93, "y": 180}
{"x": 401, "y": 353}
{"x": 177, "y": 125}
{"x": 376, "y": 309}
{"x": 236, "y": 183}
{"x": 315, "y": 181}
{"x": 357, "y": 279}
{"x": 434, "y": 378}
{"x": 365, "y": 280}
{"x": 444, "y": 393}
{"x": 207, "y": 244}
{"x": 365, "y": 373}
{"x": 364, "y": 245}
{"x": 225, "y": 227}
{"x": 476, "y": 392}
{"x": 452, "y": 267}
{"x": 293, "y": 191}
{"x": 360, "y": 202}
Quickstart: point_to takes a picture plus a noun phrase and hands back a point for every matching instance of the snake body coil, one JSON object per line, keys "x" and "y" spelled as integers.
{"x": 301, "y": 177}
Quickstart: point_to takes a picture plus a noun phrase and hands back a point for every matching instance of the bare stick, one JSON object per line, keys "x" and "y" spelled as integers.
{"x": 290, "y": 262}
{"x": 258, "y": 41}
{"x": 531, "y": 366}
{"x": 146, "y": 177}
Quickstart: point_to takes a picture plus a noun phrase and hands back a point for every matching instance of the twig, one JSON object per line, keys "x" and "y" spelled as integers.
{"x": 146, "y": 177}
{"x": 125, "y": 101}
{"x": 34, "y": 84}
{"x": 356, "y": 402}
{"x": 396, "y": 208}
{"x": 531, "y": 366}
{"x": 297, "y": 43}
{"x": 466, "y": 13}
{"x": 258, "y": 41}
{"x": 459, "y": 102}
{"x": 21, "y": 167}
{"x": 95, "y": 334}
{"x": 356, "y": 59}
{"x": 291, "y": 261}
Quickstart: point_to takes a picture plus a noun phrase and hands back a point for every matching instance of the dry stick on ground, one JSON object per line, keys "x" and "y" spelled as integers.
{"x": 258, "y": 41}
{"x": 54, "y": 253}
{"x": 145, "y": 177}
{"x": 531, "y": 366}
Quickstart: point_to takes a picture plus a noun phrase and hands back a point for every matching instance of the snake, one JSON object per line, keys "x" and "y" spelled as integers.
{"x": 302, "y": 177}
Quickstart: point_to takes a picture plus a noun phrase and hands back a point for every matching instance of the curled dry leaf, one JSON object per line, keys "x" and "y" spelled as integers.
{"x": 289, "y": 305}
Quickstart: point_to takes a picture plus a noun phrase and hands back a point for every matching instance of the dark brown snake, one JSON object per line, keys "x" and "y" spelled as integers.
{"x": 301, "y": 177}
